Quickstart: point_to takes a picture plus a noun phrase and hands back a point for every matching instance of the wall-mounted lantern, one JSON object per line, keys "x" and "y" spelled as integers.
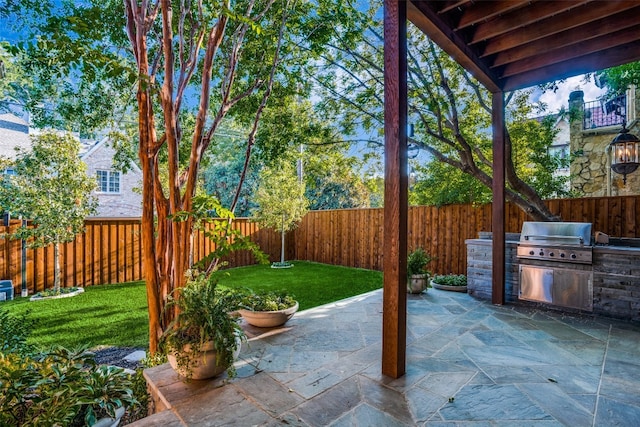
{"x": 625, "y": 152}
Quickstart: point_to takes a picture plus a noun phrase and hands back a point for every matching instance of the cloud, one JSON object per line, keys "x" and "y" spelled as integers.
{"x": 560, "y": 98}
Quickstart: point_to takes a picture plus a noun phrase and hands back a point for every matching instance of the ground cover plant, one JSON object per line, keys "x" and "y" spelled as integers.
{"x": 57, "y": 386}
{"x": 312, "y": 284}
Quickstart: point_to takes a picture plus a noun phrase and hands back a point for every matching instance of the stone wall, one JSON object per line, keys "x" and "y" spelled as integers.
{"x": 616, "y": 282}
{"x": 479, "y": 269}
{"x": 591, "y": 174}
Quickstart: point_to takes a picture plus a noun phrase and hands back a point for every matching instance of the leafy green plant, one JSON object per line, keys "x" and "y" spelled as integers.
{"x": 417, "y": 262}
{"x": 451, "y": 280}
{"x": 14, "y": 332}
{"x": 262, "y": 300}
{"x": 60, "y": 387}
{"x": 215, "y": 222}
{"x": 203, "y": 316}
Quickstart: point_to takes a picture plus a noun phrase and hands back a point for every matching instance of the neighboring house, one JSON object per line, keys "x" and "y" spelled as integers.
{"x": 591, "y": 173}
{"x": 116, "y": 193}
{"x": 14, "y": 133}
{"x": 561, "y": 144}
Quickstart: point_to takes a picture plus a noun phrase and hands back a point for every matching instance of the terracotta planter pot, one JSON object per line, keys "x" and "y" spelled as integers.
{"x": 268, "y": 319}
{"x": 205, "y": 362}
{"x": 417, "y": 283}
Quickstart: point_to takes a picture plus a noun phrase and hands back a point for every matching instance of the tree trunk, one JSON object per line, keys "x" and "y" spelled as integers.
{"x": 282, "y": 245}
{"x": 56, "y": 267}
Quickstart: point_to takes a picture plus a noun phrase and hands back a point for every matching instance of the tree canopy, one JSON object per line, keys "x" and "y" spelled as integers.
{"x": 451, "y": 111}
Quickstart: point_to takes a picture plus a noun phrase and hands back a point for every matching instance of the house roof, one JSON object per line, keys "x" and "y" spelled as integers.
{"x": 14, "y": 133}
{"x": 88, "y": 149}
{"x": 515, "y": 44}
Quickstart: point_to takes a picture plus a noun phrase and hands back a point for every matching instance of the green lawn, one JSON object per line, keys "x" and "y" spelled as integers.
{"x": 312, "y": 284}
{"x": 113, "y": 315}
{"x": 116, "y": 315}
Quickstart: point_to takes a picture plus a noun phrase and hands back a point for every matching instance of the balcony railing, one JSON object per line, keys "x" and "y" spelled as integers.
{"x": 599, "y": 114}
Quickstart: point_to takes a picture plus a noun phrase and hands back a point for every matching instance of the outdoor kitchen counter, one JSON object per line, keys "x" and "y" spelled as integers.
{"x": 616, "y": 276}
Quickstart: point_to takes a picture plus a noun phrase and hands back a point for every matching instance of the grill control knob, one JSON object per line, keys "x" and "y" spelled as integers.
{"x": 562, "y": 255}
{"x": 541, "y": 253}
{"x": 551, "y": 254}
{"x": 532, "y": 253}
{"x": 574, "y": 256}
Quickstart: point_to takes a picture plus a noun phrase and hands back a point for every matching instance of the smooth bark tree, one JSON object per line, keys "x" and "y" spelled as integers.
{"x": 173, "y": 45}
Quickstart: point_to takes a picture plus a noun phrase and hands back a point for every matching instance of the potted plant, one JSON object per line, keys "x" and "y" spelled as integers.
{"x": 203, "y": 340}
{"x": 265, "y": 309}
{"x": 450, "y": 282}
{"x": 418, "y": 275}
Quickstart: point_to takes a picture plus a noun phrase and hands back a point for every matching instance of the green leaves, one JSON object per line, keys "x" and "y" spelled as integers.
{"x": 60, "y": 387}
{"x": 280, "y": 198}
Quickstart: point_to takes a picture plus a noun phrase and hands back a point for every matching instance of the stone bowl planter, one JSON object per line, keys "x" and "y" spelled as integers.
{"x": 268, "y": 319}
{"x": 448, "y": 288}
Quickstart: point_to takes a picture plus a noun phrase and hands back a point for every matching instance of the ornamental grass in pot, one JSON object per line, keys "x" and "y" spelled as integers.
{"x": 418, "y": 275}
{"x": 203, "y": 340}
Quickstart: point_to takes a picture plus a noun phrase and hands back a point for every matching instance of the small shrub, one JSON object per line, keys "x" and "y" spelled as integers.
{"x": 451, "y": 280}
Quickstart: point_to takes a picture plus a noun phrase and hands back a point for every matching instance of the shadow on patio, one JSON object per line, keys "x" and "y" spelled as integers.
{"x": 468, "y": 363}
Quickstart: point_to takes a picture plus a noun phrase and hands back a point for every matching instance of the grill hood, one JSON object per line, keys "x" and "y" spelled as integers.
{"x": 567, "y": 233}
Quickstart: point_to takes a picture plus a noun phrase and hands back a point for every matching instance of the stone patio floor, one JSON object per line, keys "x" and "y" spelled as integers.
{"x": 469, "y": 363}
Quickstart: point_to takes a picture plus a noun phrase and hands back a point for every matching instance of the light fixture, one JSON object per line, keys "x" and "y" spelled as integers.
{"x": 625, "y": 150}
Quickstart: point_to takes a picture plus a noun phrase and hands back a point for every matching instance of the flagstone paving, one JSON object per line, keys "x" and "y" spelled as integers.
{"x": 469, "y": 363}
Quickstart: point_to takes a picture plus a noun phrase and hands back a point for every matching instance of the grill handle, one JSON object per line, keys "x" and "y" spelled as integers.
{"x": 553, "y": 237}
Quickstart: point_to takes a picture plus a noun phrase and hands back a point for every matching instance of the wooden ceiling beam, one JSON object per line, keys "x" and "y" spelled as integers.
{"x": 586, "y": 64}
{"x": 521, "y": 18}
{"x": 580, "y": 16}
{"x": 572, "y": 37}
{"x": 577, "y": 50}
{"x": 425, "y": 17}
{"x": 483, "y": 11}
{"x": 453, "y": 5}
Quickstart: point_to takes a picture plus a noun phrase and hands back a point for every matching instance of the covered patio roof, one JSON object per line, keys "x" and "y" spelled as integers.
{"x": 506, "y": 45}
{"x": 515, "y": 44}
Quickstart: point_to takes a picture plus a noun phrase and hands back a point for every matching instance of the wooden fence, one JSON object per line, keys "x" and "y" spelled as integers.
{"x": 110, "y": 252}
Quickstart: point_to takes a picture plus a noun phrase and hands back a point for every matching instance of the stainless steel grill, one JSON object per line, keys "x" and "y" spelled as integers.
{"x": 556, "y": 264}
{"x": 556, "y": 241}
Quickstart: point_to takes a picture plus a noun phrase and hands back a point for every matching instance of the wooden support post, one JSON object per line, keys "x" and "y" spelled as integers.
{"x": 498, "y": 207}
{"x": 394, "y": 319}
